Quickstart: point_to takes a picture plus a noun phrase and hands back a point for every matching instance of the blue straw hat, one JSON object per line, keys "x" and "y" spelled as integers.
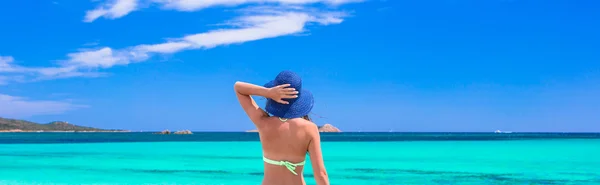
{"x": 297, "y": 107}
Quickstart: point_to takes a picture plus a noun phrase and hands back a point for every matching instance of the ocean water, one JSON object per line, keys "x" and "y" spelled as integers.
{"x": 350, "y": 158}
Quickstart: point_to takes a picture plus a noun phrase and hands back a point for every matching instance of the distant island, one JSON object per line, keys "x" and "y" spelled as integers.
{"x": 324, "y": 128}
{"x": 14, "y": 125}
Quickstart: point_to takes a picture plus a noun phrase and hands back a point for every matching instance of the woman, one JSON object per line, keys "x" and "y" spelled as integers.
{"x": 288, "y": 134}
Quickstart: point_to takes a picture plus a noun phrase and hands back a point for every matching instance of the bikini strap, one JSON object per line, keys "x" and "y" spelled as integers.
{"x": 290, "y": 166}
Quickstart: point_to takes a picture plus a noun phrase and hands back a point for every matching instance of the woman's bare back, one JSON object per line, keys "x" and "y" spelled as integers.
{"x": 284, "y": 141}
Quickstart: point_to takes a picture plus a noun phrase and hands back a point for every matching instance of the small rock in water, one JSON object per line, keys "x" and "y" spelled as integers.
{"x": 183, "y": 132}
{"x": 165, "y": 132}
{"x": 328, "y": 128}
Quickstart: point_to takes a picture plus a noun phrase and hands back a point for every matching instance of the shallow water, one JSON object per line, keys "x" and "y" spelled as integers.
{"x": 417, "y": 161}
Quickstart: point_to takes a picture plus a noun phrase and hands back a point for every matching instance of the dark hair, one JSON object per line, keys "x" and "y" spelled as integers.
{"x": 307, "y": 118}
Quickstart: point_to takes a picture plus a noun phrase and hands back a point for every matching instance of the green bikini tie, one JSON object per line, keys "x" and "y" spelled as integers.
{"x": 288, "y": 165}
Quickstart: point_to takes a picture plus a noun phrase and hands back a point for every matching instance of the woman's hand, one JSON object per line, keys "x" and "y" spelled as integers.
{"x": 278, "y": 93}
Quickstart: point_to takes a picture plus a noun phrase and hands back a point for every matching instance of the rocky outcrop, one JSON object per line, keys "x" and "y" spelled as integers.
{"x": 328, "y": 128}
{"x": 164, "y": 132}
{"x": 183, "y": 132}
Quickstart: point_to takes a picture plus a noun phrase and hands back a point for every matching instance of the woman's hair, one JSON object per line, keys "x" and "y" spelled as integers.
{"x": 307, "y": 118}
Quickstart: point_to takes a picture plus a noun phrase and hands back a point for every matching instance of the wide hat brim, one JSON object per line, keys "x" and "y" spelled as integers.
{"x": 297, "y": 107}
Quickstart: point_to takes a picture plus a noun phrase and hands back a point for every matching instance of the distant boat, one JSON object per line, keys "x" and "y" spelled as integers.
{"x": 499, "y": 132}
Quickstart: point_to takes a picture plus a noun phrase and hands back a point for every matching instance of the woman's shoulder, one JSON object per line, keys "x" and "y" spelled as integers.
{"x": 306, "y": 125}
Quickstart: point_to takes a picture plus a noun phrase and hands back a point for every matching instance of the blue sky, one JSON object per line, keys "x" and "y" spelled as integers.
{"x": 373, "y": 65}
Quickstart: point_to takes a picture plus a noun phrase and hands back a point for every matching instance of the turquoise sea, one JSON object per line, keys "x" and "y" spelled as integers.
{"x": 351, "y": 159}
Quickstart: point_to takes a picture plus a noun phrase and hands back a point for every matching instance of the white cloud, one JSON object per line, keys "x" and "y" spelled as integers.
{"x": 246, "y": 28}
{"x": 104, "y": 57}
{"x": 18, "y": 107}
{"x": 7, "y": 65}
{"x": 255, "y": 23}
{"x": 114, "y": 9}
{"x": 259, "y": 27}
{"x": 64, "y": 72}
{"x": 193, "y": 5}
{"x": 165, "y": 48}
{"x": 11, "y": 72}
